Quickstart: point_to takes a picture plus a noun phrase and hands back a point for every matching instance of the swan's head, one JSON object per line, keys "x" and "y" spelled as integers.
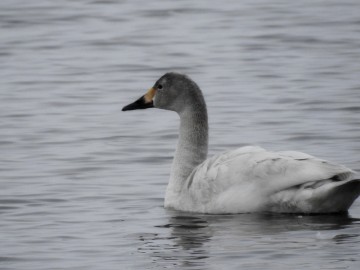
{"x": 173, "y": 91}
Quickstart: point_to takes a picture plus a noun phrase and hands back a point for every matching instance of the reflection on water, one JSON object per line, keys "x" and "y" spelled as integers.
{"x": 191, "y": 241}
{"x": 187, "y": 237}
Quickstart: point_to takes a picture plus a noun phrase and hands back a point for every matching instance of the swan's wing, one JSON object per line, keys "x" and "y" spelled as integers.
{"x": 262, "y": 170}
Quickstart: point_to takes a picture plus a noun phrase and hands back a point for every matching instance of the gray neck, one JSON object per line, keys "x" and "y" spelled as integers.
{"x": 192, "y": 146}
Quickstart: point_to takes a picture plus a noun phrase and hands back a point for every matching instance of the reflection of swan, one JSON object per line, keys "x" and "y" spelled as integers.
{"x": 248, "y": 179}
{"x": 270, "y": 224}
{"x": 203, "y": 241}
{"x": 190, "y": 232}
{"x": 180, "y": 242}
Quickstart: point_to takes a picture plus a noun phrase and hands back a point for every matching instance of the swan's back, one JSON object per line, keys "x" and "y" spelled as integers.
{"x": 251, "y": 179}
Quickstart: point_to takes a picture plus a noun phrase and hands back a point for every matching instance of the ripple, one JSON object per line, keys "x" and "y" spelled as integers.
{"x": 350, "y": 108}
{"x": 83, "y": 184}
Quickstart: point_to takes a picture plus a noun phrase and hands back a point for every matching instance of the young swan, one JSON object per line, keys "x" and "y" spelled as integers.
{"x": 247, "y": 179}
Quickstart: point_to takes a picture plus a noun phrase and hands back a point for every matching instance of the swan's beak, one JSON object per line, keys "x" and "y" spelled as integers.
{"x": 146, "y": 101}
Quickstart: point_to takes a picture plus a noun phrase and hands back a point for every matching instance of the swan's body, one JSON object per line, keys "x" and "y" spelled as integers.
{"x": 251, "y": 179}
{"x": 248, "y": 179}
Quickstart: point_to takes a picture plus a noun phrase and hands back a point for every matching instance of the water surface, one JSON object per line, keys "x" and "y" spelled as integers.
{"x": 82, "y": 183}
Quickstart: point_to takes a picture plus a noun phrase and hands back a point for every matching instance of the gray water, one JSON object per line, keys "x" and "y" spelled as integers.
{"x": 82, "y": 183}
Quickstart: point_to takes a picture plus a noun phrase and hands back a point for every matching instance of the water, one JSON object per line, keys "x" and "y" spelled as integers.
{"x": 82, "y": 183}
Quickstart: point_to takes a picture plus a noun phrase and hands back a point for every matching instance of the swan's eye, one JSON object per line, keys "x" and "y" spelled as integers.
{"x": 160, "y": 87}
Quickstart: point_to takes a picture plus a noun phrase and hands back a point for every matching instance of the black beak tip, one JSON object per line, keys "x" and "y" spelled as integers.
{"x": 125, "y": 109}
{"x": 130, "y": 107}
{"x": 139, "y": 104}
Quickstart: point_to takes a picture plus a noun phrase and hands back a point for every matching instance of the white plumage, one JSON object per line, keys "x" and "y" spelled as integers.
{"x": 251, "y": 179}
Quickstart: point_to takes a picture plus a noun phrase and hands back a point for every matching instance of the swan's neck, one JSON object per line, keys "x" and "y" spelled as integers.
{"x": 191, "y": 149}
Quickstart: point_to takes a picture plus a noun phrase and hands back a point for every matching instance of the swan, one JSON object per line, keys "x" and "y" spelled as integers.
{"x": 247, "y": 179}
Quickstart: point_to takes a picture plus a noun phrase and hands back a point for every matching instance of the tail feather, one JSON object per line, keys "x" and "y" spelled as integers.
{"x": 342, "y": 196}
{"x": 325, "y": 196}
